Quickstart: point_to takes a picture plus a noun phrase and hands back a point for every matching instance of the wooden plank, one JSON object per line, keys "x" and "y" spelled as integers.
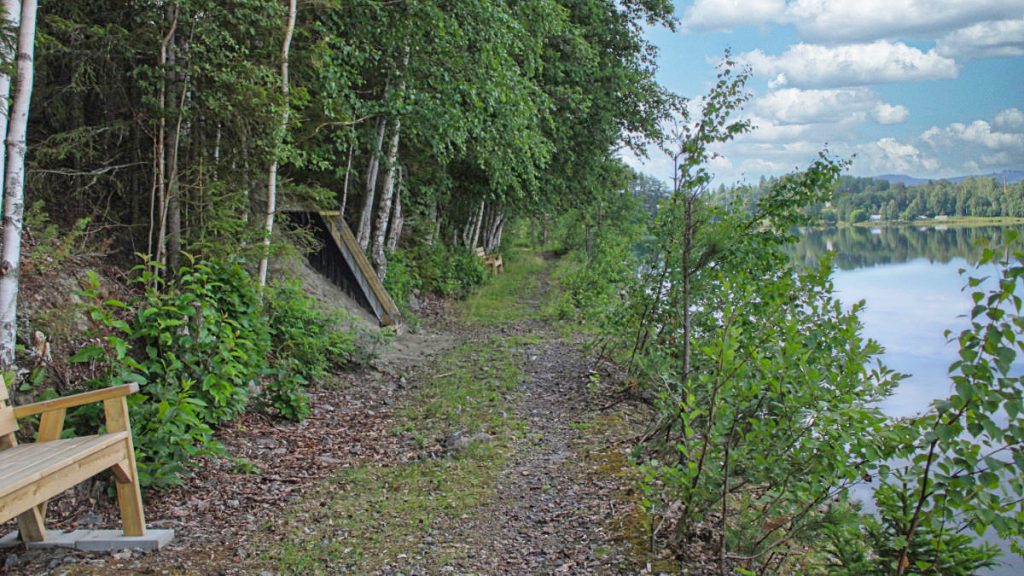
{"x": 388, "y": 314}
{"x": 8, "y": 423}
{"x": 30, "y": 463}
{"x": 59, "y": 480}
{"x": 51, "y": 425}
{"x": 4, "y": 394}
{"x": 66, "y": 402}
{"x": 129, "y": 493}
{"x": 31, "y": 526}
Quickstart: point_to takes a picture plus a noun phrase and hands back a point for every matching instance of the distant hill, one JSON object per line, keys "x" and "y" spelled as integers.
{"x": 1012, "y": 177}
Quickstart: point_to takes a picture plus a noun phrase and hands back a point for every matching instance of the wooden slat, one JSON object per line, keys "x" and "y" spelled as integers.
{"x": 4, "y": 395}
{"x": 8, "y": 423}
{"x": 29, "y": 463}
{"x": 66, "y": 402}
{"x": 59, "y": 480}
{"x": 388, "y": 313}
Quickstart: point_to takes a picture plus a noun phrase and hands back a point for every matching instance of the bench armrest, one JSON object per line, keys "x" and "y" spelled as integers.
{"x": 65, "y": 402}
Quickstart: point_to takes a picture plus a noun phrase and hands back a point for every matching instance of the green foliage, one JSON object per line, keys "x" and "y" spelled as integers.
{"x": 440, "y": 269}
{"x": 307, "y": 343}
{"x": 47, "y": 247}
{"x": 198, "y": 346}
{"x": 401, "y": 279}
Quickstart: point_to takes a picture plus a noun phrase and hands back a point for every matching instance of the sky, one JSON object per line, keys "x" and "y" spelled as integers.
{"x": 926, "y": 88}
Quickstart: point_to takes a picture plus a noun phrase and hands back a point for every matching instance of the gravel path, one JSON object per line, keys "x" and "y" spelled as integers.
{"x": 551, "y": 514}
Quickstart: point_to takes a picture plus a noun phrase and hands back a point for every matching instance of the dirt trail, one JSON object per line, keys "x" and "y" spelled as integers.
{"x": 551, "y": 514}
{"x": 562, "y": 504}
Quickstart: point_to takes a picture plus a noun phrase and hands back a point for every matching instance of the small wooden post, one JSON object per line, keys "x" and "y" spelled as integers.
{"x": 129, "y": 495}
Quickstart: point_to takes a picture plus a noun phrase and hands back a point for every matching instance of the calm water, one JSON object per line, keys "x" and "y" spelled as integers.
{"x": 910, "y": 281}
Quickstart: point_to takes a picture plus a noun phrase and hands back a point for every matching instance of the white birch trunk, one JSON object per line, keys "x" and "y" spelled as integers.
{"x": 397, "y": 220}
{"x": 14, "y": 183}
{"x": 476, "y": 227}
{"x": 12, "y": 16}
{"x": 380, "y": 260}
{"x": 366, "y": 216}
{"x": 268, "y": 223}
{"x": 344, "y": 188}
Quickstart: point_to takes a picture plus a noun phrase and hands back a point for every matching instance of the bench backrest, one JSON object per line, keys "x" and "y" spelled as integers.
{"x": 8, "y": 423}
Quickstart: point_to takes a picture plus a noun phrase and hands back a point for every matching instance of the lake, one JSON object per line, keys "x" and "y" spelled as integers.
{"x": 909, "y": 278}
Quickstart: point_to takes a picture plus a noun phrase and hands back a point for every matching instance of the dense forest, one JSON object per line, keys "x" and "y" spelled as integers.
{"x": 858, "y": 199}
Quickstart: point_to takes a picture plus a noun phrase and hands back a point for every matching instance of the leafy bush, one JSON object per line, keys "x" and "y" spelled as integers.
{"x": 307, "y": 342}
{"x": 401, "y": 279}
{"x": 198, "y": 346}
{"x": 194, "y": 345}
{"x": 445, "y": 270}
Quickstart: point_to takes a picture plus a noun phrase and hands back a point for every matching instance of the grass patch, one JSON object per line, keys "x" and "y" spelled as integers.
{"x": 374, "y": 517}
{"x": 511, "y": 296}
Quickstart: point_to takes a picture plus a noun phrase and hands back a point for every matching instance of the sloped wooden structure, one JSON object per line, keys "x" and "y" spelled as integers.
{"x": 343, "y": 262}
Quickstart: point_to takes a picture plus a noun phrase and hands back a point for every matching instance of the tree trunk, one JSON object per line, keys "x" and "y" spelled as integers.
{"x": 366, "y": 216}
{"x": 435, "y": 224}
{"x": 14, "y": 183}
{"x": 492, "y": 235}
{"x": 268, "y": 223}
{"x": 344, "y": 188}
{"x": 380, "y": 261}
{"x": 171, "y": 218}
{"x": 501, "y": 228}
{"x": 476, "y": 227}
{"x": 11, "y": 17}
{"x": 397, "y": 220}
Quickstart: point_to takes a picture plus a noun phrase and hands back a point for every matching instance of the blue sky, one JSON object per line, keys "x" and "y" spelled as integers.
{"x": 929, "y": 88}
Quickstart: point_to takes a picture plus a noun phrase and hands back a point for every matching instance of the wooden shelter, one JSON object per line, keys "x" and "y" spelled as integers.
{"x": 343, "y": 262}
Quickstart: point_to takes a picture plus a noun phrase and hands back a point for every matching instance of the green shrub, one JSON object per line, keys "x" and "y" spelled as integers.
{"x": 198, "y": 346}
{"x": 307, "y": 342}
{"x": 401, "y": 279}
{"x": 447, "y": 271}
{"x": 194, "y": 344}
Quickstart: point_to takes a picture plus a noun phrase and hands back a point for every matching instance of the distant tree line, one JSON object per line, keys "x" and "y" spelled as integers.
{"x": 858, "y": 199}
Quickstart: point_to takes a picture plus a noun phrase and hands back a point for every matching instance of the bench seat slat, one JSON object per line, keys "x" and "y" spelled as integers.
{"x": 28, "y": 463}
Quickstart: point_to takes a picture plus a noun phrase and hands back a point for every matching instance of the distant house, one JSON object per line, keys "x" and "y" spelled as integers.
{"x": 942, "y": 217}
{"x": 875, "y": 217}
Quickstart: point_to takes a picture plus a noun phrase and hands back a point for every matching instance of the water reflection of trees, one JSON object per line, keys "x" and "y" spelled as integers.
{"x": 863, "y": 247}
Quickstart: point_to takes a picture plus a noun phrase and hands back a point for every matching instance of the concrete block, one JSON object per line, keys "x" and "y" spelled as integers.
{"x": 58, "y": 540}
{"x": 94, "y": 540}
{"x": 113, "y": 540}
{"x": 10, "y": 540}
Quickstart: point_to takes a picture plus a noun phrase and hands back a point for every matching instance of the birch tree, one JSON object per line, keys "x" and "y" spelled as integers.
{"x": 366, "y": 215}
{"x": 14, "y": 183}
{"x": 12, "y": 15}
{"x": 268, "y": 224}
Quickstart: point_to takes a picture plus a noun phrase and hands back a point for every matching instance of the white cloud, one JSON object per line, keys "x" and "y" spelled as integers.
{"x": 978, "y": 132}
{"x": 984, "y": 39}
{"x": 1011, "y": 119}
{"x": 811, "y": 65}
{"x": 842, "y": 105}
{"x": 846, "y": 20}
{"x": 841, "y": 21}
{"x": 887, "y": 155}
{"x": 726, "y": 14}
{"x": 889, "y": 114}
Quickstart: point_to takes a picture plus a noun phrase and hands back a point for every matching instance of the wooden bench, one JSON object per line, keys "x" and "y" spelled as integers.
{"x": 491, "y": 261}
{"x": 31, "y": 474}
